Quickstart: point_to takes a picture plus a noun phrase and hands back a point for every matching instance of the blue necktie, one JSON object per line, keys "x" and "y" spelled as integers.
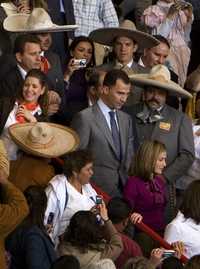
{"x": 115, "y": 134}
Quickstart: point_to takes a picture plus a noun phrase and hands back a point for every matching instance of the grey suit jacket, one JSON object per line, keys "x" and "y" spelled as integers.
{"x": 175, "y": 131}
{"x": 95, "y": 135}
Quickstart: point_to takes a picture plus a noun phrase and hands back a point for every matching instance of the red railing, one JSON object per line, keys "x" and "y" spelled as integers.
{"x": 143, "y": 227}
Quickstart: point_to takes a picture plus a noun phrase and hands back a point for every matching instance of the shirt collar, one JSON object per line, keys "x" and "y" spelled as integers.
{"x": 140, "y": 62}
{"x": 129, "y": 64}
{"x": 104, "y": 108}
{"x": 22, "y": 71}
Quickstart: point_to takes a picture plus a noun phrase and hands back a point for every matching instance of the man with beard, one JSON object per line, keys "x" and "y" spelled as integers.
{"x": 155, "y": 120}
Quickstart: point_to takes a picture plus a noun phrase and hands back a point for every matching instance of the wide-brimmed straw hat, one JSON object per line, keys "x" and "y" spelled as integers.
{"x": 4, "y": 162}
{"x": 159, "y": 77}
{"x": 106, "y": 36}
{"x": 44, "y": 139}
{"x": 38, "y": 21}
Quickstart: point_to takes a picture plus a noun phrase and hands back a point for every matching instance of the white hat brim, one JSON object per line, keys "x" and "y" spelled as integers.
{"x": 106, "y": 36}
{"x": 65, "y": 140}
{"x": 170, "y": 86}
{"x": 17, "y": 23}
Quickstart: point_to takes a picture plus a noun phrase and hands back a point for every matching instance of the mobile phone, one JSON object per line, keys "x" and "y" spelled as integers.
{"x": 50, "y": 218}
{"x": 80, "y": 62}
{"x": 168, "y": 253}
{"x": 98, "y": 200}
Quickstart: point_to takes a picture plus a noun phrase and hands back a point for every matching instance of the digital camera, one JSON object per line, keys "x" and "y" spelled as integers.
{"x": 80, "y": 62}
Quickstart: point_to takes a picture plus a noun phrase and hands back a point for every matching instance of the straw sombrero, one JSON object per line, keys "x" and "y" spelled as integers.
{"x": 127, "y": 28}
{"x": 44, "y": 139}
{"x": 159, "y": 77}
{"x": 38, "y": 21}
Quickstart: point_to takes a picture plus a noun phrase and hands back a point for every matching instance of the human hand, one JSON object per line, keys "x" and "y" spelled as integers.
{"x": 179, "y": 247}
{"x": 54, "y": 98}
{"x": 23, "y": 7}
{"x": 71, "y": 67}
{"x": 103, "y": 211}
{"x": 52, "y": 109}
{"x": 156, "y": 256}
{"x": 26, "y": 114}
{"x": 136, "y": 218}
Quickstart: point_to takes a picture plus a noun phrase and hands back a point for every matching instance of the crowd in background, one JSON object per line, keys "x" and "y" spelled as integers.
{"x": 99, "y": 134}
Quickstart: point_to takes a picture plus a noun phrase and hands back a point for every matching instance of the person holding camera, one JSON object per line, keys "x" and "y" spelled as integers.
{"x": 91, "y": 240}
{"x": 172, "y": 19}
{"x": 75, "y": 75}
{"x": 69, "y": 192}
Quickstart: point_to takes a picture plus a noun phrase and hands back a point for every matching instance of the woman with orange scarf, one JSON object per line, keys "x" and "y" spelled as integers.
{"x": 30, "y": 106}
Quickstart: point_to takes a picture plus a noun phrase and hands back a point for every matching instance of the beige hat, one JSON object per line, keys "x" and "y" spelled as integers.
{"x": 159, "y": 77}
{"x": 4, "y": 162}
{"x": 38, "y": 21}
{"x": 44, "y": 139}
{"x": 127, "y": 28}
{"x": 193, "y": 80}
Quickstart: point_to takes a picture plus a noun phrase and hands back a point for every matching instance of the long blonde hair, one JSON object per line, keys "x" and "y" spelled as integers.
{"x": 143, "y": 163}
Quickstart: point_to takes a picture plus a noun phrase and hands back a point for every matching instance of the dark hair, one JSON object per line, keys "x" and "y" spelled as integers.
{"x": 93, "y": 79}
{"x": 43, "y": 99}
{"x": 148, "y": 152}
{"x": 118, "y": 210}
{"x": 75, "y": 161}
{"x": 84, "y": 232}
{"x": 172, "y": 262}
{"x": 79, "y": 39}
{"x": 190, "y": 206}
{"x": 162, "y": 39}
{"x": 21, "y": 41}
{"x": 113, "y": 75}
{"x": 66, "y": 262}
{"x": 37, "y": 202}
{"x": 193, "y": 263}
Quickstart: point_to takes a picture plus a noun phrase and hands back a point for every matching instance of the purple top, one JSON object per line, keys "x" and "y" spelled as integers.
{"x": 149, "y": 199}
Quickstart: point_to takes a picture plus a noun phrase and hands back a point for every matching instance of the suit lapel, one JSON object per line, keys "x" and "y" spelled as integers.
{"x": 101, "y": 122}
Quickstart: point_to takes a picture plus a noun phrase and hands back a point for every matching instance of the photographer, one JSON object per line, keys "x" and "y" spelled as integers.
{"x": 82, "y": 57}
{"x": 90, "y": 240}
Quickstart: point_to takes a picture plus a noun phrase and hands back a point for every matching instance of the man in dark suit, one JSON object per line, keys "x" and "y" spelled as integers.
{"x": 107, "y": 133}
{"x": 61, "y": 12}
{"x": 28, "y": 56}
{"x": 154, "y": 119}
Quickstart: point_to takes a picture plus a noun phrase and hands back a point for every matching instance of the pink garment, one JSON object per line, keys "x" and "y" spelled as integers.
{"x": 176, "y": 30}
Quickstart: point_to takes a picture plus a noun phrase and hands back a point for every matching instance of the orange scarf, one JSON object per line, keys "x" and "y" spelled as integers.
{"x": 28, "y": 106}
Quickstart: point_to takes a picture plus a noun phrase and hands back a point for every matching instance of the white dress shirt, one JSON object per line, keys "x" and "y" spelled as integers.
{"x": 105, "y": 110}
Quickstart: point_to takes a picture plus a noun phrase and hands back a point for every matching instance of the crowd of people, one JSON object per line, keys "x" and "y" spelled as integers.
{"x": 99, "y": 134}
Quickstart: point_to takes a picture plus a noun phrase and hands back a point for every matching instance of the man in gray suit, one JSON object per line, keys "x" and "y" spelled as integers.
{"x": 154, "y": 119}
{"x": 107, "y": 133}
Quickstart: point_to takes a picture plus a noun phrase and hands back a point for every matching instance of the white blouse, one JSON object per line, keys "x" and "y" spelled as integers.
{"x": 10, "y": 146}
